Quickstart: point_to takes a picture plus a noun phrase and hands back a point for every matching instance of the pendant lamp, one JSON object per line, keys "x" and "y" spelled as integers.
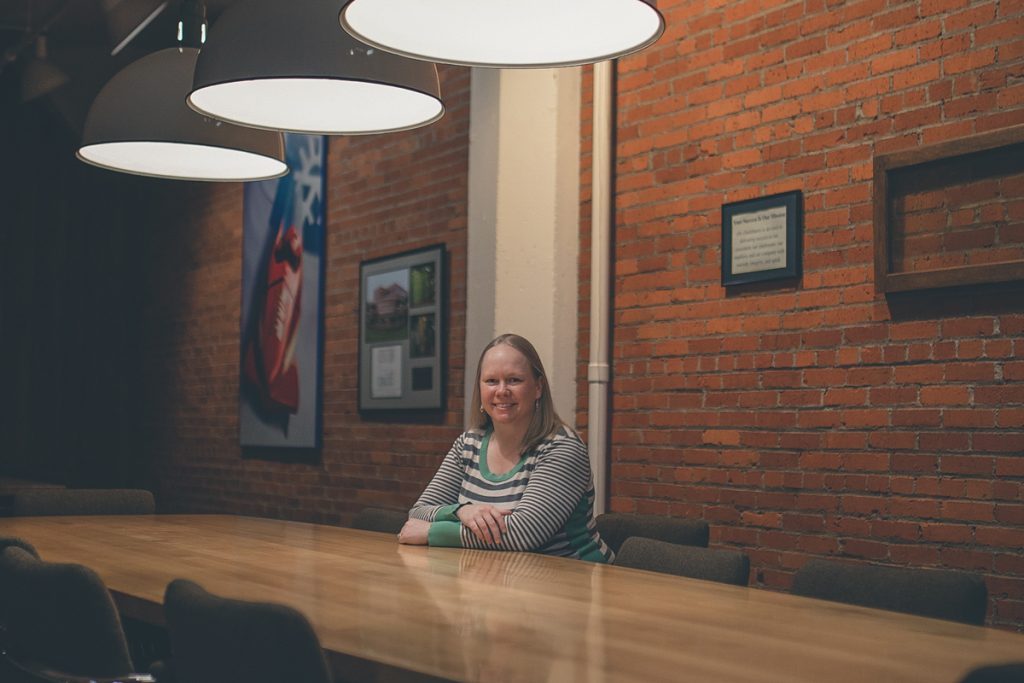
{"x": 41, "y": 75}
{"x": 506, "y": 33}
{"x": 289, "y": 66}
{"x": 139, "y": 123}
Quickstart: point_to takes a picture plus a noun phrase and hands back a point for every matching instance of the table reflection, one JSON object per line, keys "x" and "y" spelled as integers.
{"x": 488, "y": 609}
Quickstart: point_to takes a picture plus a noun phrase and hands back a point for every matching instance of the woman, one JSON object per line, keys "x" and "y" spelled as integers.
{"x": 519, "y": 479}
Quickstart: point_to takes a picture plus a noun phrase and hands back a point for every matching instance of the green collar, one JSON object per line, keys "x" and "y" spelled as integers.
{"x": 485, "y": 471}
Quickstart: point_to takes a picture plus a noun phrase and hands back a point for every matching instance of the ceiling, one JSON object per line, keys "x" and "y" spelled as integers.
{"x": 80, "y": 36}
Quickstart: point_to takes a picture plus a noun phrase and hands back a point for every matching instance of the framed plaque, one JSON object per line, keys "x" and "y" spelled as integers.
{"x": 762, "y": 238}
{"x": 401, "y": 331}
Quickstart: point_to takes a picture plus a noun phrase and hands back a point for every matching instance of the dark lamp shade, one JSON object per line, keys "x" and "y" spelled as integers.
{"x": 139, "y": 123}
{"x": 506, "y": 33}
{"x": 40, "y": 78}
{"x": 289, "y": 66}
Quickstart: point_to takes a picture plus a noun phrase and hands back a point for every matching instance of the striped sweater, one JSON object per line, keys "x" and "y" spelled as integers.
{"x": 550, "y": 491}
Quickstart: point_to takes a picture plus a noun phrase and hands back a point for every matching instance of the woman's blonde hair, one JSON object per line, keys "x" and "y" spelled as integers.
{"x": 545, "y": 420}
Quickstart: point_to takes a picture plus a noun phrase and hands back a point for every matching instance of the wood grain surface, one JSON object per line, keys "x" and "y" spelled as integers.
{"x": 387, "y": 612}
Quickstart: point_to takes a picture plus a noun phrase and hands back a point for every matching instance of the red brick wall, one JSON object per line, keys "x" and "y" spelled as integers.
{"x": 386, "y": 194}
{"x": 819, "y": 419}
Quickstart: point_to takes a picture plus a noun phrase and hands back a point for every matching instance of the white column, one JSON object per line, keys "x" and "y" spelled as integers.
{"x": 523, "y": 242}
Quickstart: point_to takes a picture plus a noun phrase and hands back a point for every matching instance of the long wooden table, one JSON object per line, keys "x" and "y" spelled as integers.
{"x": 390, "y": 612}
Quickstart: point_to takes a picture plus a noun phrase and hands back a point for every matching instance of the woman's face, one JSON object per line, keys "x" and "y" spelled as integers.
{"x": 508, "y": 389}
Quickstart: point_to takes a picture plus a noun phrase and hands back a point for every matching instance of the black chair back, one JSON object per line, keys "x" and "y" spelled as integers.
{"x": 215, "y": 639}
{"x": 60, "y": 617}
{"x": 83, "y": 502}
{"x": 14, "y": 541}
{"x": 723, "y": 566}
{"x": 1012, "y": 672}
{"x": 380, "y": 519}
{"x": 942, "y": 594}
{"x": 616, "y": 527}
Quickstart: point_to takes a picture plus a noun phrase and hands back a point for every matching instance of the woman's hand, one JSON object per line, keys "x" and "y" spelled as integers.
{"x": 414, "y": 532}
{"x": 485, "y": 521}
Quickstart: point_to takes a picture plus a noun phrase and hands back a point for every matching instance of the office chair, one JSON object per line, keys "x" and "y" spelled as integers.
{"x": 14, "y": 541}
{"x": 60, "y": 624}
{"x": 6, "y": 672}
{"x": 83, "y": 502}
{"x": 616, "y": 527}
{"x": 215, "y": 639}
{"x": 723, "y": 566}
{"x": 1012, "y": 672}
{"x": 380, "y": 519}
{"x": 942, "y": 594}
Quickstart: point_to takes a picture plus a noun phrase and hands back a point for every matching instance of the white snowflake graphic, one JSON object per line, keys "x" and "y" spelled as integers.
{"x": 307, "y": 179}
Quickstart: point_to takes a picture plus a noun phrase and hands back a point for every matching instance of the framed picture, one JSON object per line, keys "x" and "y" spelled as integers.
{"x": 401, "y": 331}
{"x": 953, "y": 198}
{"x": 282, "y": 301}
{"x": 762, "y": 238}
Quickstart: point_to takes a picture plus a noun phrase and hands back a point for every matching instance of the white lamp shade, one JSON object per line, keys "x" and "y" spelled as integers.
{"x": 506, "y": 33}
{"x": 139, "y": 123}
{"x": 289, "y": 66}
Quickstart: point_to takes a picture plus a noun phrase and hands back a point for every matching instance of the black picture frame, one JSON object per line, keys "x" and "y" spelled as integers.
{"x": 754, "y": 246}
{"x": 402, "y": 333}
